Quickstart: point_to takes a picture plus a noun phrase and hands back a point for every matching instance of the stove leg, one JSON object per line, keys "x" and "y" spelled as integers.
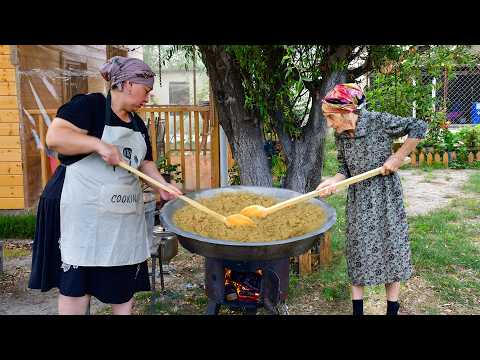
{"x": 213, "y": 308}
{"x": 278, "y": 309}
{"x": 249, "y": 311}
{"x": 282, "y": 308}
{"x": 154, "y": 298}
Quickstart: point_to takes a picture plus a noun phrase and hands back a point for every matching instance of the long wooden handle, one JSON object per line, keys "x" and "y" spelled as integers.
{"x": 340, "y": 185}
{"x": 167, "y": 189}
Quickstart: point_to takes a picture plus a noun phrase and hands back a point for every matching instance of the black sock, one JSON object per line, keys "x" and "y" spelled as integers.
{"x": 357, "y": 307}
{"x": 392, "y": 307}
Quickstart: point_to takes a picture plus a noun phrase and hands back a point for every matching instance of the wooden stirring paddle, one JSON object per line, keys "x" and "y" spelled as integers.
{"x": 261, "y": 212}
{"x": 232, "y": 220}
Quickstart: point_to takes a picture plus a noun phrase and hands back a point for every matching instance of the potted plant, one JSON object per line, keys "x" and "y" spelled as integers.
{"x": 170, "y": 172}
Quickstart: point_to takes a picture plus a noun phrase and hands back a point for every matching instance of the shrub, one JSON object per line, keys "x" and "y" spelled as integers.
{"x": 17, "y": 226}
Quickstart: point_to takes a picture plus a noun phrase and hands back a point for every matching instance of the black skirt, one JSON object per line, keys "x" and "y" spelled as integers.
{"x": 111, "y": 285}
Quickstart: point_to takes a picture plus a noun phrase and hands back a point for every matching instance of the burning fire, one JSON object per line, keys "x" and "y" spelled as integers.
{"x": 242, "y": 286}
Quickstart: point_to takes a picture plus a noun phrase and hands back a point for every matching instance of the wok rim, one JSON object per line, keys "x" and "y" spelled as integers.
{"x": 330, "y": 221}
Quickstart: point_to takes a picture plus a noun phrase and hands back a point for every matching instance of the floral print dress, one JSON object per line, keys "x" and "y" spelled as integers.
{"x": 377, "y": 244}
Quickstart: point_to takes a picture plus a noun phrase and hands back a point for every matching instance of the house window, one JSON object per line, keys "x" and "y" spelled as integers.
{"x": 76, "y": 81}
{"x": 116, "y": 50}
{"x": 179, "y": 93}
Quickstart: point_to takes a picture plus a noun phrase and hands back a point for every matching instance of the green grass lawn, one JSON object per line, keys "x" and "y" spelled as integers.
{"x": 445, "y": 253}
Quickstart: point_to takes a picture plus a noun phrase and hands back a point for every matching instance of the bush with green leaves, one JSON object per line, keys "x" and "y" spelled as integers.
{"x": 174, "y": 170}
{"x": 17, "y": 226}
{"x": 470, "y": 136}
{"x": 462, "y": 142}
{"x": 279, "y": 169}
{"x": 234, "y": 175}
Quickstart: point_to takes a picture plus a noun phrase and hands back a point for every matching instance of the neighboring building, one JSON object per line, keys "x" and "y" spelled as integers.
{"x": 177, "y": 88}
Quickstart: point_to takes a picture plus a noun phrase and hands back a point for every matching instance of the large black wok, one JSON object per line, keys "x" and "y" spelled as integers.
{"x": 245, "y": 251}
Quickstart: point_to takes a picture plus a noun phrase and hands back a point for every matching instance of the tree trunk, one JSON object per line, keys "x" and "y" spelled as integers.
{"x": 306, "y": 155}
{"x": 242, "y": 126}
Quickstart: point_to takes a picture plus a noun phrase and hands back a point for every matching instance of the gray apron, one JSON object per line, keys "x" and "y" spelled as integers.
{"x": 102, "y": 221}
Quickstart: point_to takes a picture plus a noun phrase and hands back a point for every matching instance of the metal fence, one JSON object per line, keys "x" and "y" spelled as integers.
{"x": 460, "y": 96}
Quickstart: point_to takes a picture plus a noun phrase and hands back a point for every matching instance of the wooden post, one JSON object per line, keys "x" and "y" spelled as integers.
{"x": 43, "y": 151}
{"x": 194, "y": 79}
{"x": 437, "y": 158}
{"x": 454, "y": 155}
{"x": 429, "y": 158}
{"x": 207, "y": 118}
{"x": 175, "y": 130}
{"x": 1, "y": 256}
{"x": 197, "y": 151}
{"x": 421, "y": 158}
{"x": 153, "y": 135}
{"x": 167, "y": 136}
{"x": 215, "y": 143}
{"x": 190, "y": 129}
{"x": 305, "y": 263}
{"x": 182, "y": 150}
{"x": 413, "y": 156}
{"x": 478, "y": 156}
{"x": 470, "y": 157}
{"x": 326, "y": 249}
{"x": 445, "y": 159}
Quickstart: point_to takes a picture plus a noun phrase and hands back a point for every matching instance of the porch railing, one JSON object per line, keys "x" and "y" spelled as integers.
{"x": 176, "y": 132}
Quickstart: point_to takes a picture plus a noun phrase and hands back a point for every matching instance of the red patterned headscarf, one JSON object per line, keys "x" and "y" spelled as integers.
{"x": 344, "y": 98}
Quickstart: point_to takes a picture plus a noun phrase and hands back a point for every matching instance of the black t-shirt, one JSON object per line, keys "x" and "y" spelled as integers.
{"x": 87, "y": 111}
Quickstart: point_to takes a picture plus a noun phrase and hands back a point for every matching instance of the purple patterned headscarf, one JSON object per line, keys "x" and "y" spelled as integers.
{"x": 119, "y": 69}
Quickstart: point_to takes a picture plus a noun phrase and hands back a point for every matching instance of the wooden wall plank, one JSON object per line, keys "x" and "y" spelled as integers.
{"x": 8, "y": 102}
{"x": 10, "y": 155}
{"x": 9, "y": 116}
{"x": 11, "y": 180}
{"x": 12, "y": 203}
{"x": 5, "y": 62}
{"x": 11, "y": 191}
{"x": 4, "y": 49}
{"x": 9, "y": 129}
{"x": 7, "y": 75}
{"x": 305, "y": 263}
{"x": 9, "y": 142}
{"x": 8, "y": 88}
{"x": 11, "y": 168}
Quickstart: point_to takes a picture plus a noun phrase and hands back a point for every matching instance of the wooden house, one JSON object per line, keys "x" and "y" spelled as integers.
{"x": 34, "y": 81}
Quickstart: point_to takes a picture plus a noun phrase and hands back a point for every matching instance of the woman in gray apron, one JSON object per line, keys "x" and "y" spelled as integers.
{"x": 91, "y": 237}
{"x": 377, "y": 245}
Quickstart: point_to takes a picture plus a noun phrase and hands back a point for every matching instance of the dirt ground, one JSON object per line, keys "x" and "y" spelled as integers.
{"x": 185, "y": 280}
{"x": 427, "y": 191}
